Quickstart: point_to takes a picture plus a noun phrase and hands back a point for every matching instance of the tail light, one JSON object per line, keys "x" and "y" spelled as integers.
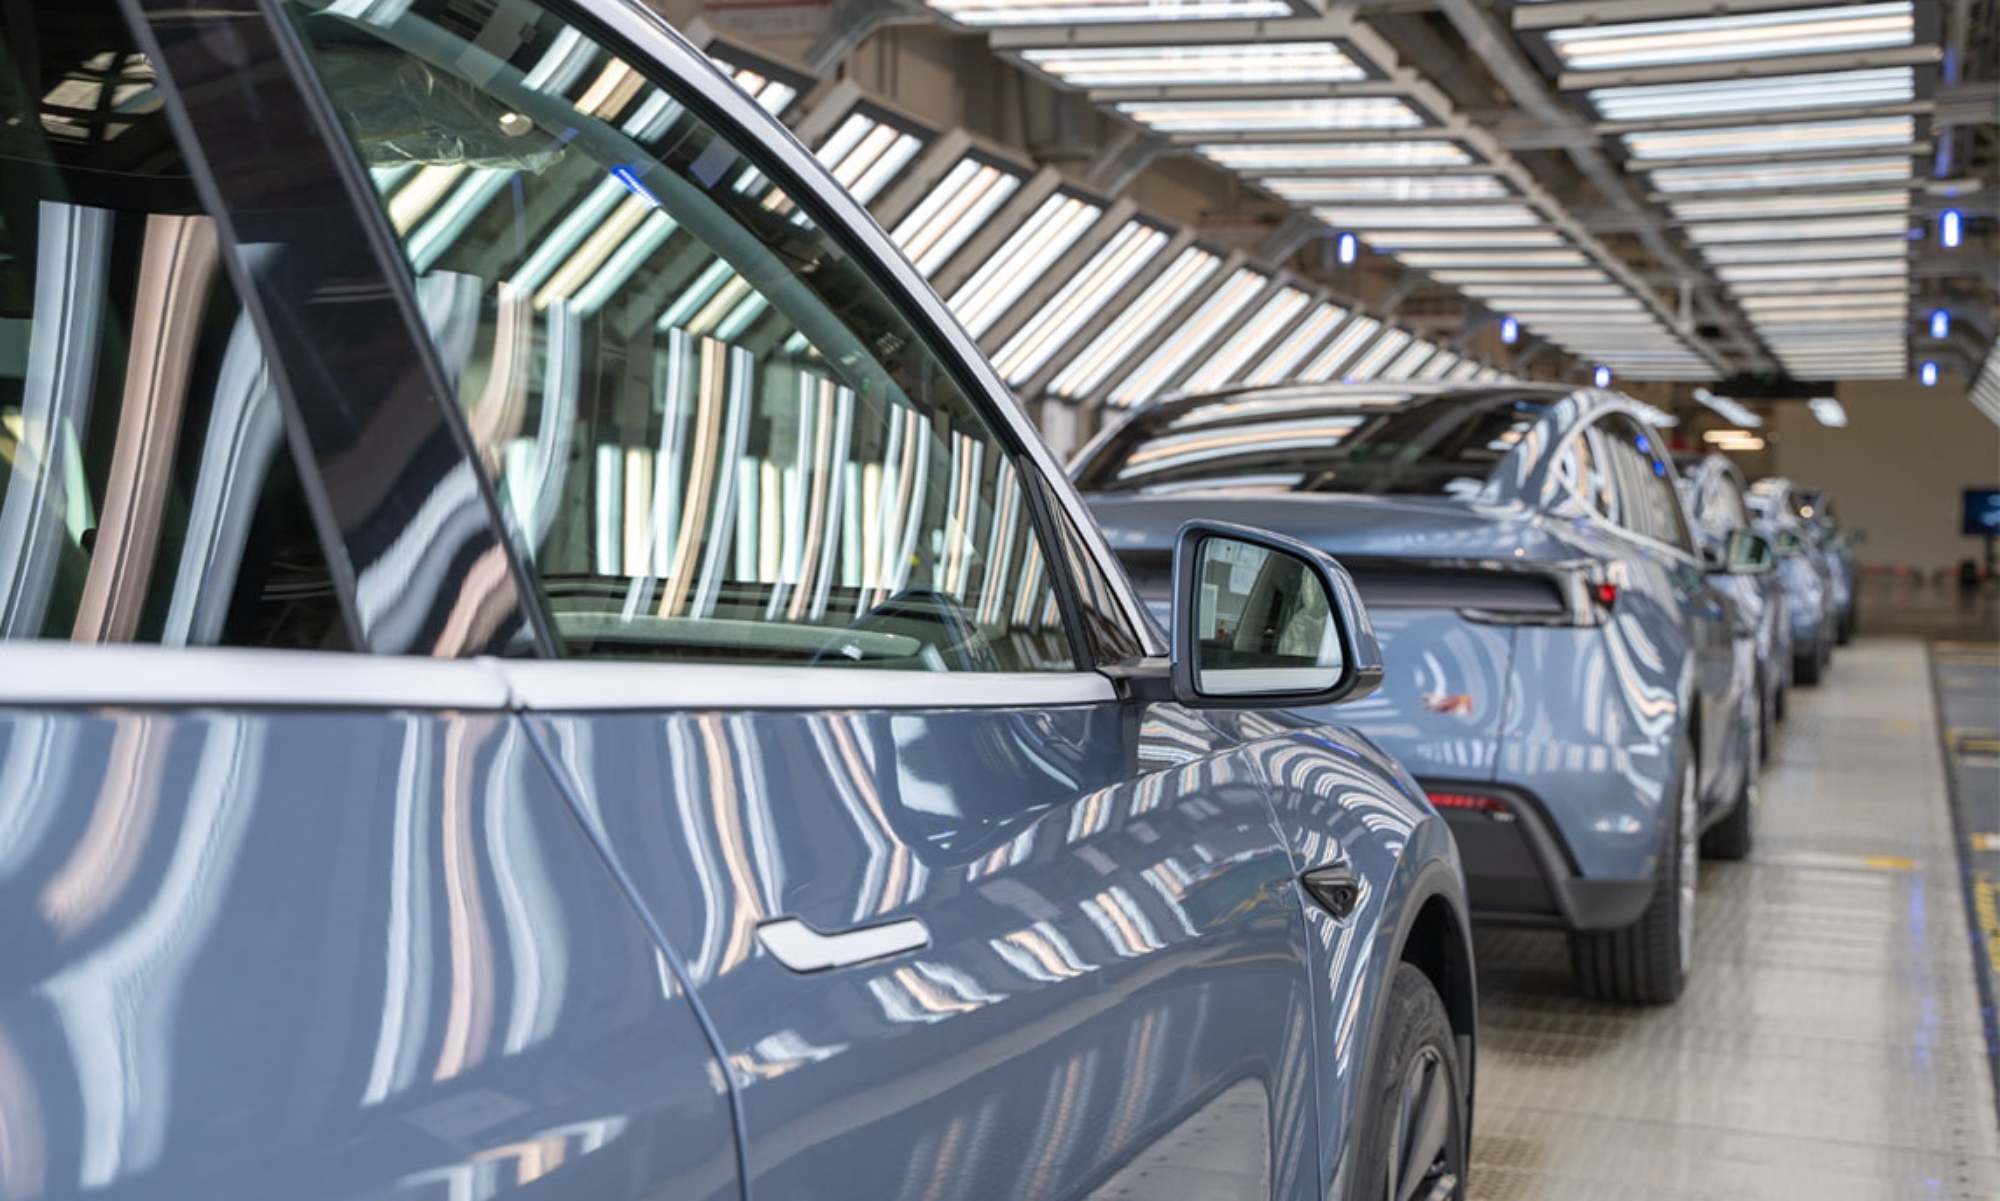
{"x": 1474, "y": 803}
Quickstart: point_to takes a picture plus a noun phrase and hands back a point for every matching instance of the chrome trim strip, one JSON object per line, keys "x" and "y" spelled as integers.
{"x": 600, "y": 685}
{"x": 68, "y": 673}
{"x": 804, "y": 949}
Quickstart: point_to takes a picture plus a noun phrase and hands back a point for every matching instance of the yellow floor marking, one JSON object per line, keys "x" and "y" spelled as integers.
{"x": 1984, "y": 842}
{"x": 1900, "y": 724}
{"x": 1890, "y": 863}
{"x": 1988, "y": 908}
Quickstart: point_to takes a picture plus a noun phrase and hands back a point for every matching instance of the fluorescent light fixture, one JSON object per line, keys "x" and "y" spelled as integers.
{"x": 1440, "y": 365}
{"x": 1818, "y": 287}
{"x": 1508, "y": 276}
{"x": 865, "y": 154}
{"x": 1333, "y": 156}
{"x": 1406, "y": 365}
{"x": 1472, "y": 256}
{"x": 1398, "y": 240}
{"x": 1370, "y": 362}
{"x": 1282, "y": 363}
{"x": 1099, "y": 12}
{"x": 1182, "y": 343}
{"x": 1727, "y": 408}
{"x": 1417, "y": 216}
{"x": 1468, "y": 369}
{"x": 770, "y": 95}
{"x": 1940, "y": 323}
{"x": 1827, "y": 411}
{"x": 1865, "y": 133}
{"x": 1229, "y": 359}
{"x": 1734, "y": 441}
{"x": 1951, "y": 224}
{"x": 953, "y": 212}
{"x": 1510, "y": 330}
{"x": 1313, "y": 114}
{"x": 1793, "y": 310}
{"x": 1808, "y": 252}
{"x": 1023, "y": 258}
{"x": 1325, "y": 189}
{"x": 1082, "y": 376}
{"x": 1803, "y": 204}
{"x": 1850, "y": 269}
{"x": 1822, "y": 228}
{"x": 1765, "y": 176}
{"x": 1771, "y": 93}
{"x": 1520, "y": 296}
{"x": 1347, "y": 248}
{"x": 1734, "y": 38}
{"x": 1056, "y": 322}
{"x": 1928, "y": 373}
{"x": 1197, "y": 65}
{"x": 1329, "y": 361}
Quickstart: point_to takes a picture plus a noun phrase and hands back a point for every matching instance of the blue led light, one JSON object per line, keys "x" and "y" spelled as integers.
{"x": 1951, "y": 228}
{"x": 1603, "y": 377}
{"x": 1348, "y": 248}
{"x": 1510, "y": 330}
{"x": 1928, "y": 374}
{"x": 1940, "y": 323}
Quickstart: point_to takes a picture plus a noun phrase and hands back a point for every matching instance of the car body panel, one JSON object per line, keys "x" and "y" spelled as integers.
{"x": 1804, "y": 568}
{"x": 300, "y": 953}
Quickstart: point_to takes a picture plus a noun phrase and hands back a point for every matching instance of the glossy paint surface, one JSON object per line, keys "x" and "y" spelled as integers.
{"x": 336, "y": 954}
{"x": 1589, "y": 718}
{"x": 1115, "y": 940}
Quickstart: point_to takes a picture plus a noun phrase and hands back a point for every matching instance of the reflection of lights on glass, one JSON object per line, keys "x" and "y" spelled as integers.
{"x": 1928, "y": 373}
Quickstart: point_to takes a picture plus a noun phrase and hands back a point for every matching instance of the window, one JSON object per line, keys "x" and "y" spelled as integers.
{"x": 1585, "y": 469}
{"x": 717, "y": 436}
{"x": 146, "y": 491}
{"x": 1652, "y": 506}
{"x": 1110, "y": 637}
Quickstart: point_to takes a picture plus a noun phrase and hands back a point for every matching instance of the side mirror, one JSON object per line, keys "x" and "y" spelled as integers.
{"x": 1713, "y": 557}
{"x": 1790, "y": 544}
{"x": 1261, "y": 620}
{"x": 1748, "y": 554}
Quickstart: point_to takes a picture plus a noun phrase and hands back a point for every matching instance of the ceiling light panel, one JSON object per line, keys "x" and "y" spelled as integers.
{"x": 1439, "y": 366}
{"x": 771, "y": 95}
{"x": 1197, "y": 66}
{"x": 1733, "y": 38}
{"x": 865, "y": 154}
{"x": 1802, "y": 205}
{"x": 1052, "y": 326}
{"x": 1327, "y": 189}
{"x": 1722, "y": 232}
{"x": 1252, "y": 157}
{"x": 1810, "y": 252}
{"x": 1282, "y": 363}
{"x": 1370, "y": 362}
{"x": 1227, "y": 362}
{"x": 1845, "y": 269}
{"x": 954, "y": 210}
{"x": 1765, "y": 176}
{"x": 1023, "y": 258}
{"x": 1866, "y": 133}
{"x": 1472, "y": 256}
{"x": 1189, "y": 271}
{"x": 988, "y": 13}
{"x": 1182, "y": 343}
{"x": 1352, "y": 337}
{"x": 1419, "y": 216}
{"x": 1272, "y": 116}
{"x": 1407, "y": 364}
{"x": 1769, "y": 94}
{"x": 1396, "y": 241}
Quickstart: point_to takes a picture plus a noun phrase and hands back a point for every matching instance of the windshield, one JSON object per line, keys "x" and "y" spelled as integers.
{"x": 1384, "y": 443}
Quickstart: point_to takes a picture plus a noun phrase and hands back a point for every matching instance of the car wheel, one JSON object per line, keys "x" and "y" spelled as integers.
{"x": 1844, "y": 629}
{"x": 1781, "y": 708}
{"x": 1731, "y": 837}
{"x": 1647, "y": 962}
{"x": 1805, "y": 672}
{"x": 1413, "y": 1135}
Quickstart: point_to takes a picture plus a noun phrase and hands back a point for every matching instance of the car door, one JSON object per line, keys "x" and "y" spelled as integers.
{"x": 962, "y": 921}
{"x": 282, "y": 917}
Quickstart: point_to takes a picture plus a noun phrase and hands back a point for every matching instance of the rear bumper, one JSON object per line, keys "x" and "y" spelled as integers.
{"x": 1519, "y": 871}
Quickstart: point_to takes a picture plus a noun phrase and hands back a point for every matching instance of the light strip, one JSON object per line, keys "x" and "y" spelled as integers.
{"x": 1323, "y": 156}
{"x": 865, "y": 154}
{"x": 1803, "y": 204}
{"x": 1766, "y": 176}
{"x": 1808, "y": 252}
{"x": 1256, "y": 330}
{"x": 1055, "y": 323}
{"x": 1194, "y": 66}
{"x": 1735, "y": 37}
{"x": 1182, "y": 344}
{"x": 1772, "y": 93}
{"x": 1426, "y": 217}
{"x": 1283, "y": 361}
{"x": 953, "y": 212}
{"x": 1329, "y": 361}
{"x": 987, "y": 13}
{"x": 1368, "y": 188}
{"x": 1877, "y": 225}
{"x": 1022, "y": 259}
{"x": 1264, "y": 116}
{"x": 1728, "y": 409}
{"x": 1088, "y": 370}
{"x": 1865, "y": 133}
{"x": 1377, "y": 356}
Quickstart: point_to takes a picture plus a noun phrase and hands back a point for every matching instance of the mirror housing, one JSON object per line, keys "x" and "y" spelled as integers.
{"x": 1748, "y": 554}
{"x": 1265, "y": 621}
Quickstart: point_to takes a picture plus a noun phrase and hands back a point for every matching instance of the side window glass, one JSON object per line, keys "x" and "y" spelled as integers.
{"x": 146, "y": 490}
{"x": 1653, "y": 507}
{"x": 1584, "y": 469}
{"x": 1106, "y": 630}
{"x": 718, "y": 437}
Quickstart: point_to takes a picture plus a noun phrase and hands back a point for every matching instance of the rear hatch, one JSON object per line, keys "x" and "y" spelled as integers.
{"x": 1446, "y": 583}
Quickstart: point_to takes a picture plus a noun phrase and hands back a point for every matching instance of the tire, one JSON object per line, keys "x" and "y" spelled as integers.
{"x": 1806, "y": 672}
{"x": 1417, "y": 1086}
{"x": 1647, "y": 962}
{"x": 1844, "y": 629}
{"x": 1731, "y": 838}
{"x": 1783, "y": 707}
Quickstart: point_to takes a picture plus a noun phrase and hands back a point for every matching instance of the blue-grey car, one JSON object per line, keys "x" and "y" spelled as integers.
{"x": 1562, "y": 676}
{"x": 1810, "y": 579}
{"x": 1718, "y": 510}
{"x": 1822, "y": 516}
{"x": 537, "y": 660}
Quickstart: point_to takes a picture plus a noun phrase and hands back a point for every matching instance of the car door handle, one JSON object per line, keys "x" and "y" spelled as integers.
{"x": 1335, "y": 887}
{"x": 804, "y": 949}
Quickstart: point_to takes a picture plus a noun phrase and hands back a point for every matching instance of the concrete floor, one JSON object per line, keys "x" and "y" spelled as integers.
{"x": 1830, "y": 1042}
